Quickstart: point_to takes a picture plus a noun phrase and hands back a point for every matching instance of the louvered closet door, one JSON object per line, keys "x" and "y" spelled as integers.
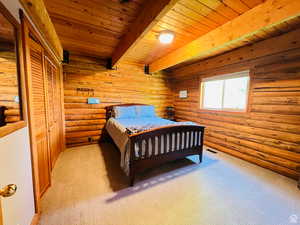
{"x": 39, "y": 114}
{"x": 54, "y": 113}
{"x": 58, "y": 109}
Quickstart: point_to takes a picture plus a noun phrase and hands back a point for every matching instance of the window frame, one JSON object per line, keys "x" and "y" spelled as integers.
{"x": 13, "y": 127}
{"x": 243, "y": 73}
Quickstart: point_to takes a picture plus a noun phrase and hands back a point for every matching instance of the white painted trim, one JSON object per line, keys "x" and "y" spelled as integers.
{"x": 244, "y": 73}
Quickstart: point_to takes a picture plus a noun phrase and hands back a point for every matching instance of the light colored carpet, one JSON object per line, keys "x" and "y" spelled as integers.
{"x": 90, "y": 189}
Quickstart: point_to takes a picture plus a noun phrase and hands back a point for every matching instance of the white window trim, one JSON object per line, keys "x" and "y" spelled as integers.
{"x": 227, "y": 76}
{"x": 245, "y": 73}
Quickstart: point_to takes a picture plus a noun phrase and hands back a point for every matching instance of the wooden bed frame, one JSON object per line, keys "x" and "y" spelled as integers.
{"x": 138, "y": 165}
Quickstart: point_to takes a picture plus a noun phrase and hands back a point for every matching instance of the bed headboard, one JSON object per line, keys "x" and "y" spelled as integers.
{"x": 109, "y": 109}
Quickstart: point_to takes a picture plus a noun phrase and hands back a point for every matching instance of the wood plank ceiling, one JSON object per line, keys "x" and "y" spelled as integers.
{"x": 92, "y": 27}
{"x": 95, "y": 27}
{"x": 189, "y": 19}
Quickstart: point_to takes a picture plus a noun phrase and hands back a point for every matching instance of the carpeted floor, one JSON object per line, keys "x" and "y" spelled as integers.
{"x": 89, "y": 188}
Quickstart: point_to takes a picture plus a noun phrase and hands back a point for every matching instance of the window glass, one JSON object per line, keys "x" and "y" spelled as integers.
{"x": 235, "y": 93}
{"x": 227, "y": 92}
{"x": 213, "y": 94}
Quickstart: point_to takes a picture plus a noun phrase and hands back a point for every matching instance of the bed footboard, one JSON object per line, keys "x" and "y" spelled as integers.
{"x": 157, "y": 146}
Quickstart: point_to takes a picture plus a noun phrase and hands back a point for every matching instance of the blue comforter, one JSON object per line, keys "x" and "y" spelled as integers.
{"x": 139, "y": 124}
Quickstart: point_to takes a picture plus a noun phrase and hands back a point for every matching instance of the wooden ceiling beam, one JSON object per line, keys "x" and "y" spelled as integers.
{"x": 264, "y": 16}
{"x": 148, "y": 17}
{"x": 37, "y": 11}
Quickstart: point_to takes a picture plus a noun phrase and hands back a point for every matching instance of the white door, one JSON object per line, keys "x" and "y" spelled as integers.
{"x": 15, "y": 168}
{"x": 6, "y": 192}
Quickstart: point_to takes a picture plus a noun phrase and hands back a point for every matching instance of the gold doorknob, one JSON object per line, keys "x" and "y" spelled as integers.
{"x": 8, "y": 190}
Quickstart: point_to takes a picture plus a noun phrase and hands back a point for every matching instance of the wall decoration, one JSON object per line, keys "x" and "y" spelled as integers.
{"x": 85, "y": 91}
{"x": 183, "y": 94}
{"x": 93, "y": 101}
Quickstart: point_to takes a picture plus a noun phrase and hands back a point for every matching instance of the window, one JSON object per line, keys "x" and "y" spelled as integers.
{"x": 12, "y": 116}
{"x": 227, "y": 92}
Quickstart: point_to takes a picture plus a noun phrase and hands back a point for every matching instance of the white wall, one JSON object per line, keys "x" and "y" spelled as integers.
{"x": 15, "y": 168}
{"x": 15, "y": 164}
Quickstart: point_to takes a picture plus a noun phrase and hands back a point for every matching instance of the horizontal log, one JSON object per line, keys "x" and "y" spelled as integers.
{"x": 274, "y": 76}
{"x": 284, "y": 100}
{"x": 12, "y": 119}
{"x": 278, "y": 84}
{"x": 83, "y": 134}
{"x": 82, "y": 140}
{"x": 10, "y": 104}
{"x": 81, "y": 144}
{"x": 7, "y": 97}
{"x": 279, "y": 109}
{"x": 83, "y": 106}
{"x": 84, "y": 111}
{"x": 84, "y": 117}
{"x": 281, "y": 93}
{"x": 284, "y": 65}
{"x": 9, "y": 90}
{"x": 12, "y": 112}
{"x": 103, "y": 104}
{"x": 85, "y": 122}
{"x": 84, "y": 128}
{"x": 289, "y": 119}
{"x": 156, "y": 99}
{"x": 275, "y": 87}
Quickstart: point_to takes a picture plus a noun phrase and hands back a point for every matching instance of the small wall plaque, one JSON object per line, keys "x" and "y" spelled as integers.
{"x": 93, "y": 101}
{"x": 183, "y": 94}
{"x": 85, "y": 91}
{"x": 17, "y": 99}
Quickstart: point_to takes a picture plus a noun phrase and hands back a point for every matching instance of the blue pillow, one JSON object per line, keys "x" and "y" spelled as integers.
{"x": 146, "y": 111}
{"x": 125, "y": 112}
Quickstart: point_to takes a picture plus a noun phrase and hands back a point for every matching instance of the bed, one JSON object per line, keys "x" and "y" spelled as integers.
{"x": 146, "y": 140}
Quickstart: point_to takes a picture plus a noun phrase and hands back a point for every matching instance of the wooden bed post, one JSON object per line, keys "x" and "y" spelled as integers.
{"x": 200, "y": 156}
{"x": 132, "y": 177}
{"x": 131, "y": 163}
{"x": 201, "y": 144}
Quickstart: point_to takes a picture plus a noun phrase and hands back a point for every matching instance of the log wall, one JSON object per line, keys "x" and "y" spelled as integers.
{"x": 269, "y": 133}
{"x": 9, "y": 86}
{"x": 127, "y": 84}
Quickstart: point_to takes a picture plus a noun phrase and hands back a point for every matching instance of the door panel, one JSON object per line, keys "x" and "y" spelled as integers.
{"x": 39, "y": 117}
{"x": 58, "y": 110}
{"x": 54, "y": 105}
{"x": 43, "y": 165}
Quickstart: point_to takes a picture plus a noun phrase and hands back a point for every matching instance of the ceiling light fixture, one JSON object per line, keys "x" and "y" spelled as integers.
{"x": 166, "y": 37}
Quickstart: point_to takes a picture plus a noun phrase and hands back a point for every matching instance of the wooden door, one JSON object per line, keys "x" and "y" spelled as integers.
{"x": 39, "y": 114}
{"x": 54, "y": 105}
